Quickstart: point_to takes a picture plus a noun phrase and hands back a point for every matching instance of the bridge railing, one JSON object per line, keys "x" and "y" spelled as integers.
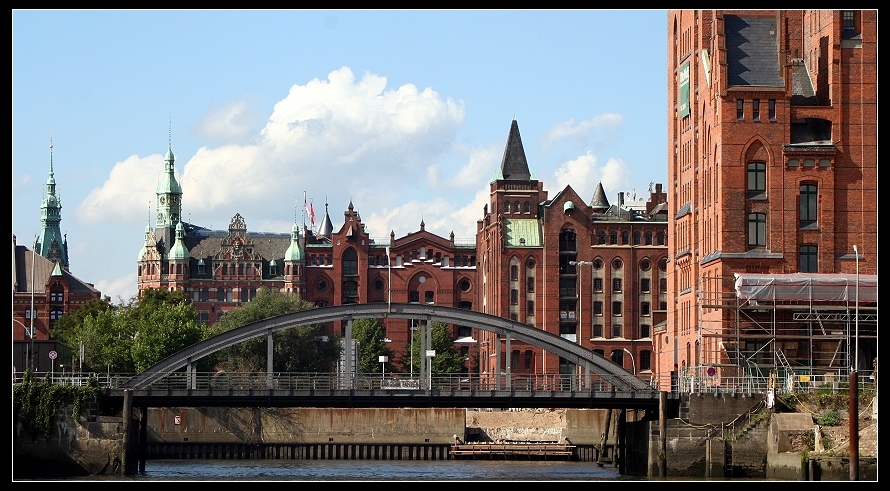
{"x": 303, "y": 381}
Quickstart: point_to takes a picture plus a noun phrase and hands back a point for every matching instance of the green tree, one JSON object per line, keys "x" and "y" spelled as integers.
{"x": 300, "y": 349}
{"x": 107, "y": 338}
{"x": 72, "y": 321}
{"x": 164, "y": 329}
{"x": 370, "y": 334}
{"x": 447, "y": 360}
{"x": 67, "y": 329}
{"x": 133, "y": 336}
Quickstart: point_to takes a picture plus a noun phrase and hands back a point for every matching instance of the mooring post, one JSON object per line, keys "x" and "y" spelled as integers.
{"x": 125, "y": 425}
{"x": 662, "y": 430}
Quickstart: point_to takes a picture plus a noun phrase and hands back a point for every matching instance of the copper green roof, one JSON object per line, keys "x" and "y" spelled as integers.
{"x": 294, "y": 252}
{"x": 522, "y": 232}
{"x": 179, "y": 251}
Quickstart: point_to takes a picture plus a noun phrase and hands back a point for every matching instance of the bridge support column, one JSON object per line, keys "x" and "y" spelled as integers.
{"x": 348, "y": 362}
{"x": 269, "y": 351}
{"x": 509, "y": 357}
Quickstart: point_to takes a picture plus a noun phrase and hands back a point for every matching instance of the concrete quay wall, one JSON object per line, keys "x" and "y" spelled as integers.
{"x": 305, "y": 425}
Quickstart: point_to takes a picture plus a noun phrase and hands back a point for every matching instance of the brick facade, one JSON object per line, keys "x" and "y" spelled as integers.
{"x": 765, "y": 110}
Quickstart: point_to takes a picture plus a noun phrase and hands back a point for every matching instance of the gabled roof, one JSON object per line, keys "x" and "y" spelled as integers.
{"x": 37, "y": 276}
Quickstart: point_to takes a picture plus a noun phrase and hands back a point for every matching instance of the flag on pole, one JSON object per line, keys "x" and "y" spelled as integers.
{"x": 311, "y": 215}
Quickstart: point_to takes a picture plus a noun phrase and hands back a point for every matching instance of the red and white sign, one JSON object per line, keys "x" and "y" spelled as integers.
{"x": 53, "y": 355}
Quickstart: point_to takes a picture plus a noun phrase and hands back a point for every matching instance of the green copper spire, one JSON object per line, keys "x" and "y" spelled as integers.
{"x": 294, "y": 252}
{"x": 169, "y": 202}
{"x": 50, "y": 243}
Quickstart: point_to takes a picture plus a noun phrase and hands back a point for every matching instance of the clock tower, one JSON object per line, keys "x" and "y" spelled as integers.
{"x": 169, "y": 205}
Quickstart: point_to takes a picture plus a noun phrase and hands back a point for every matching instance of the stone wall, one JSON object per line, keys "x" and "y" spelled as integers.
{"x": 73, "y": 449}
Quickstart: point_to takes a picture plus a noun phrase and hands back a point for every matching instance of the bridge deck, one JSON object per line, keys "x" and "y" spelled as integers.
{"x": 385, "y": 398}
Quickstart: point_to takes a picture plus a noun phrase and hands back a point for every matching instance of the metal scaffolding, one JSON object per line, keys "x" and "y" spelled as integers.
{"x": 783, "y": 330}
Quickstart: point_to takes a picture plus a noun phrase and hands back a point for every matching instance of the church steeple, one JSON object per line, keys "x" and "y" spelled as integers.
{"x": 50, "y": 243}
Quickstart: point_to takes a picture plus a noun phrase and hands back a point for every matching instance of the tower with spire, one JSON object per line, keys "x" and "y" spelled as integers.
{"x": 50, "y": 243}
{"x": 169, "y": 204}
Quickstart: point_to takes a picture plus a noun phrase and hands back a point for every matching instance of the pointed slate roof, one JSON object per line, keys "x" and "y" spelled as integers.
{"x": 326, "y": 228}
{"x": 514, "y": 166}
{"x": 599, "y": 202}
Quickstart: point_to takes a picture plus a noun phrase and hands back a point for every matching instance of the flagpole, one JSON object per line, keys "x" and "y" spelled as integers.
{"x": 304, "y": 212}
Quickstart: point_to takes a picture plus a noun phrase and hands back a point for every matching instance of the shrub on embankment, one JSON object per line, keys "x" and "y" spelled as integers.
{"x": 37, "y": 402}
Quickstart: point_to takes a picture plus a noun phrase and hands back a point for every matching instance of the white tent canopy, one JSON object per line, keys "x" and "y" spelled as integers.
{"x": 806, "y": 286}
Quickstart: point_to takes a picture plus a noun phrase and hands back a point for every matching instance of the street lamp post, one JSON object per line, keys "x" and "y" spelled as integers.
{"x": 633, "y": 363}
{"x": 31, "y": 330}
{"x": 383, "y": 361}
{"x": 430, "y": 354}
{"x": 411, "y": 348}
{"x": 856, "y": 335}
{"x": 854, "y": 386}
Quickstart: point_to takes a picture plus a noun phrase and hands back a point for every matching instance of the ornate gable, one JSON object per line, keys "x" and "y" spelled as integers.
{"x": 237, "y": 245}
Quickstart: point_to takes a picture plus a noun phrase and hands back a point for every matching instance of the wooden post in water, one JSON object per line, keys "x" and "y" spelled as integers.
{"x": 605, "y": 438}
{"x": 125, "y": 425}
{"x": 662, "y": 436}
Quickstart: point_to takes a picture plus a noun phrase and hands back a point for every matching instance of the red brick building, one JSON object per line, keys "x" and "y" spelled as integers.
{"x": 43, "y": 289}
{"x": 528, "y": 242}
{"x": 222, "y": 269}
{"x": 590, "y": 272}
{"x": 772, "y": 164}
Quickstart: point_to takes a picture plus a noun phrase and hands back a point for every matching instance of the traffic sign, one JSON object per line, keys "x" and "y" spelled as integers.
{"x": 53, "y": 355}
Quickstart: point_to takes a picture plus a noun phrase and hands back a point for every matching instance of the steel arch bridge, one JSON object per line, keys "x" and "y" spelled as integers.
{"x": 593, "y": 363}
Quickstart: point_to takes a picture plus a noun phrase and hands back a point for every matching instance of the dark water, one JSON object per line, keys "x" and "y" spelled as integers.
{"x": 369, "y": 470}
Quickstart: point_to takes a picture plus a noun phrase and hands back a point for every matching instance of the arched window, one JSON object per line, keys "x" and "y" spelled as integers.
{"x": 350, "y": 262}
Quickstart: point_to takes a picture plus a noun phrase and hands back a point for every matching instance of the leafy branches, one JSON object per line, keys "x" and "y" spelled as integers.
{"x": 38, "y": 402}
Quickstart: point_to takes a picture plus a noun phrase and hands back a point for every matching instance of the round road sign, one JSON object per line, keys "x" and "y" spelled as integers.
{"x": 53, "y": 355}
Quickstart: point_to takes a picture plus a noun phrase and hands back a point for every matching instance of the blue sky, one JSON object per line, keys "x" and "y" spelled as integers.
{"x": 404, "y": 113}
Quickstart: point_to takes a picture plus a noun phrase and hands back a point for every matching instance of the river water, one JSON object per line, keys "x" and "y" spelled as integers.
{"x": 368, "y": 470}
